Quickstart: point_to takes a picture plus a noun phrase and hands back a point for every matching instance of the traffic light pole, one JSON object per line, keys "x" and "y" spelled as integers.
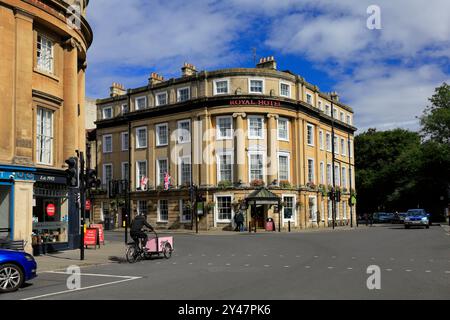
{"x": 82, "y": 204}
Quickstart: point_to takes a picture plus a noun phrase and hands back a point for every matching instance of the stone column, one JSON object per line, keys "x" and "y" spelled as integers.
{"x": 239, "y": 151}
{"x": 70, "y": 109}
{"x": 23, "y": 88}
{"x": 272, "y": 148}
{"x": 81, "y": 103}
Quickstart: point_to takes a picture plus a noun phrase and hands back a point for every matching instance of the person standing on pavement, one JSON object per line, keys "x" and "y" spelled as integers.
{"x": 239, "y": 220}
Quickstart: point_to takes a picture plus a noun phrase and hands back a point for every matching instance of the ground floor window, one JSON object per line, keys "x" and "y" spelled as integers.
{"x": 312, "y": 208}
{"x": 288, "y": 208}
{"x": 330, "y": 210}
{"x": 344, "y": 209}
{"x": 50, "y": 214}
{"x": 142, "y": 207}
{"x": 163, "y": 210}
{"x": 338, "y": 217}
{"x": 186, "y": 211}
{"x": 224, "y": 209}
{"x": 5, "y": 211}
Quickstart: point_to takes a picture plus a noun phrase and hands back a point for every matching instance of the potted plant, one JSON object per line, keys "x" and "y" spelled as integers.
{"x": 310, "y": 185}
{"x": 210, "y": 206}
{"x": 285, "y": 184}
{"x": 225, "y": 184}
{"x": 257, "y": 183}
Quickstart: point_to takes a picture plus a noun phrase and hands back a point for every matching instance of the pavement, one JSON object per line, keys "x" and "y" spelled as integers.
{"x": 324, "y": 264}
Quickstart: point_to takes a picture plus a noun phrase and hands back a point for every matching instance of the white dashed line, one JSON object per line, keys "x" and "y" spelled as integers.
{"x": 316, "y": 257}
{"x": 247, "y": 265}
{"x": 191, "y": 263}
{"x": 218, "y": 255}
{"x": 447, "y": 272}
{"x": 408, "y": 270}
{"x": 428, "y": 271}
{"x": 228, "y": 264}
{"x": 307, "y": 267}
{"x": 353, "y": 258}
{"x": 297, "y": 256}
{"x": 174, "y": 263}
{"x": 389, "y": 270}
{"x": 266, "y": 266}
{"x": 349, "y": 268}
{"x": 330, "y": 268}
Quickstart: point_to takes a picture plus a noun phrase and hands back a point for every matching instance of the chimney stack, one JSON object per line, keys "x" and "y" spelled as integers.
{"x": 117, "y": 90}
{"x": 155, "y": 79}
{"x": 188, "y": 70}
{"x": 334, "y": 96}
{"x": 267, "y": 63}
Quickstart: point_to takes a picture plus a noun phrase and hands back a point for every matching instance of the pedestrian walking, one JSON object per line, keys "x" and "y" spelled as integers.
{"x": 239, "y": 221}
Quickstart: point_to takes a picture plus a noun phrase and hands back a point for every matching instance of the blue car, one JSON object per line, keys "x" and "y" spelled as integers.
{"x": 16, "y": 268}
{"x": 417, "y": 217}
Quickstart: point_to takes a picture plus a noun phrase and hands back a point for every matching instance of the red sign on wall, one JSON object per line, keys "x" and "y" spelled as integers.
{"x": 91, "y": 237}
{"x": 51, "y": 209}
{"x": 88, "y": 205}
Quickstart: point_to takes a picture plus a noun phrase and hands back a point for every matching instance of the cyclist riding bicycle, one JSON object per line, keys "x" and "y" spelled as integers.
{"x": 137, "y": 230}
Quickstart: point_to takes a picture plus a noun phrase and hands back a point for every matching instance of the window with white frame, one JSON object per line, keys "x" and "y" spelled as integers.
{"x": 142, "y": 208}
{"x": 342, "y": 117}
{"x": 163, "y": 210}
{"x": 224, "y": 208}
{"x": 343, "y": 148}
{"x": 310, "y": 134}
{"x": 141, "y": 137}
{"x": 321, "y": 139}
{"x": 183, "y": 94}
{"x": 141, "y": 175}
{"x": 125, "y": 171}
{"x": 311, "y": 171}
{"x": 337, "y": 175}
{"x": 350, "y": 176}
{"x": 285, "y": 89}
{"x": 125, "y": 141}
{"x": 225, "y": 166}
{"x": 162, "y": 134}
{"x": 224, "y": 128}
{"x": 107, "y": 113}
{"x": 330, "y": 210}
{"x": 344, "y": 177}
{"x": 322, "y": 173}
{"x": 162, "y": 167}
{"x": 256, "y": 86}
{"x": 256, "y": 161}
{"x": 312, "y": 208}
{"x": 107, "y": 143}
{"x": 338, "y": 215}
{"x": 161, "y": 99}
{"x": 140, "y": 103}
{"x": 349, "y": 120}
{"x": 320, "y": 105}
{"x": 328, "y": 141}
{"x": 289, "y": 208}
{"x": 44, "y": 54}
{"x": 185, "y": 211}
{"x": 327, "y": 110}
{"x": 185, "y": 170}
{"x": 309, "y": 98}
{"x": 283, "y": 129}
{"x": 184, "y": 131}
{"x": 329, "y": 174}
{"x": 344, "y": 209}
{"x": 124, "y": 108}
{"x": 255, "y": 127}
{"x": 335, "y": 113}
{"x": 283, "y": 167}
{"x": 350, "y": 149}
{"x": 107, "y": 173}
{"x": 322, "y": 210}
{"x": 336, "y": 145}
{"x": 221, "y": 86}
{"x": 44, "y": 136}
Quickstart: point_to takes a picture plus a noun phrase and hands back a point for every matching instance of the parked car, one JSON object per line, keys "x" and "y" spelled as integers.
{"x": 383, "y": 217}
{"x": 399, "y": 217}
{"x": 417, "y": 217}
{"x": 16, "y": 268}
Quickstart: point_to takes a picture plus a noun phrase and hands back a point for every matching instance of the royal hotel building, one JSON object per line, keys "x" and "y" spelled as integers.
{"x": 43, "y": 45}
{"x": 255, "y": 140}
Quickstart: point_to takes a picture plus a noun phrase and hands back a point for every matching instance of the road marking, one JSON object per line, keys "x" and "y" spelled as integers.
{"x": 124, "y": 279}
{"x": 218, "y": 255}
{"x": 265, "y": 255}
{"x": 267, "y": 266}
{"x": 316, "y": 257}
{"x": 210, "y": 264}
{"x": 287, "y": 266}
{"x": 174, "y": 263}
{"x": 297, "y": 256}
{"x": 228, "y": 264}
{"x": 333, "y": 257}
{"x": 249, "y": 255}
{"x": 447, "y": 271}
{"x": 353, "y": 258}
{"x": 158, "y": 263}
{"x": 408, "y": 270}
{"x": 372, "y": 258}
{"x": 191, "y": 263}
{"x": 389, "y": 270}
{"x": 330, "y": 268}
{"x": 307, "y": 267}
{"x": 427, "y": 271}
{"x": 392, "y": 259}
{"x": 349, "y": 268}
{"x": 233, "y": 255}
{"x": 247, "y": 265}
{"x": 189, "y": 255}
{"x": 281, "y": 256}
{"x": 203, "y": 255}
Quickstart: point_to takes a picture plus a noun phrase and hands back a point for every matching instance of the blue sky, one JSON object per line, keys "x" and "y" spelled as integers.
{"x": 385, "y": 75}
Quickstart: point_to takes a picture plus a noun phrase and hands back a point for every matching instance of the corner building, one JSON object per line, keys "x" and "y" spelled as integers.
{"x": 255, "y": 140}
{"x": 43, "y": 46}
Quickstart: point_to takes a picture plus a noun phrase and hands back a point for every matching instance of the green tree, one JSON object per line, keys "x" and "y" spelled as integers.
{"x": 435, "y": 120}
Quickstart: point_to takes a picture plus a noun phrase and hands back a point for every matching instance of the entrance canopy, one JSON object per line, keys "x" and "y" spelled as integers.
{"x": 263, "y": 196}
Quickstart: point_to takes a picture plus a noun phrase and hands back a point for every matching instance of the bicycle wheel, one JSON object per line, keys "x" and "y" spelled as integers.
{"x": 132, "y": 253}
{"x": 167, "y": 251}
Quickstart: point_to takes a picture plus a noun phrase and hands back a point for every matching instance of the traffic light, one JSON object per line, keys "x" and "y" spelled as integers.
{"x": 72, "y": 173}
{"x": 92, "y": 181}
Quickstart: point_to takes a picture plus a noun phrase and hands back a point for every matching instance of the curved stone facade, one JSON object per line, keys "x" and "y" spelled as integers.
{"x": 241, "y": 129}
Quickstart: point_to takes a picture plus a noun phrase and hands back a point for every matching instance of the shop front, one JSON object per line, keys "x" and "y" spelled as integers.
{"x": 51, "y": 214}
